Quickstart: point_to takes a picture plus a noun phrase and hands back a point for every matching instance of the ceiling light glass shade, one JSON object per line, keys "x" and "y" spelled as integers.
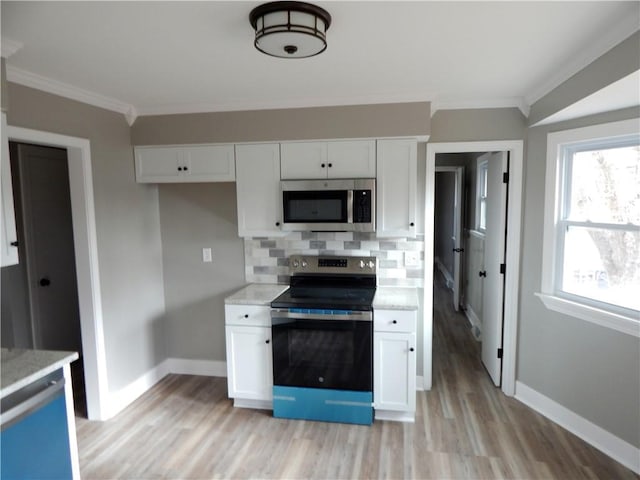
{"x": 290, "y": 29}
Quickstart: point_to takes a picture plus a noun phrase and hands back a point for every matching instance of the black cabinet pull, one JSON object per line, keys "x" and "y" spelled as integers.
{"x": 185, "y": 168}
{"x": 411, "y": 349}
{"x": 44, "y": 282}
{"x": 179, "y": 169}
{"x": 322, "y": 165}
{"x": 277, "y": 224}
{"x": 246, "y": 315}
{"x": 15, "y": 244}
{"x": 330, "y": 165}
{"x": 267, "y": 341}
{"x": 411, "y": 224}
{"x": 394, "y": 321}
{"x": 482, "y": 273}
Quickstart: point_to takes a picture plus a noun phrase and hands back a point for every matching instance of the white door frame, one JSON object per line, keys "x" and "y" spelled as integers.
{"x": 514, "y": 219}
{"x": 457, "y": 222}
{"x": 86, "y": 252}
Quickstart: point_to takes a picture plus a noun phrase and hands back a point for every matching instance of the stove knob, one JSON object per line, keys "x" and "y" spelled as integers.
{"x": 296, "y": 264}
{"x": 371, "y": 264}
{"x": 304, "y": 264}
{"x": 361, "y": 263}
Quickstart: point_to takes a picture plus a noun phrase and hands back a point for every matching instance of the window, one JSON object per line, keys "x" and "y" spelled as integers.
{"x": 591, "y": 254}
{"x": 481, "y": 193}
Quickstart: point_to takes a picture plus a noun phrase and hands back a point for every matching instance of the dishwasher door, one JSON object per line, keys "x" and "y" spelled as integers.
{"x": 35, "y": 437}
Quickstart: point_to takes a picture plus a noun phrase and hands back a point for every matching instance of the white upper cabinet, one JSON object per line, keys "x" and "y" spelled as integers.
{"x": 396, "y": 188}
{"x": 340, "y": 159}
{"x": 9, "y": 238}
{"x": 258, "y": 189}
{"x": 188, "y": 163}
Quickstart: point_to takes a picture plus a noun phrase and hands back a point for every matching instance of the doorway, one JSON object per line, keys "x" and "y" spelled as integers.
{"x": 86, "y": 256}
{"x": 512, "y": 250}
{"x": 44, "y": 288}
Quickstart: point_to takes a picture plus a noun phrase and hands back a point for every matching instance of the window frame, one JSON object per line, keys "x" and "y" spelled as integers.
{"x": 482, "y": 172}
{"x": 559, "y": 144}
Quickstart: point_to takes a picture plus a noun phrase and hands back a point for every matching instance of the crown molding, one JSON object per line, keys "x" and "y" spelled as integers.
{"x": 604, "y": 43}
{"x": 28, "y": 79}
{"x": 9, "y": 47}
{"x": 507, "y": 102}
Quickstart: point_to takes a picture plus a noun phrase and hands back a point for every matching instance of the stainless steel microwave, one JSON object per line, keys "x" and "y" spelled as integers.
{"x": 329, "y": 205}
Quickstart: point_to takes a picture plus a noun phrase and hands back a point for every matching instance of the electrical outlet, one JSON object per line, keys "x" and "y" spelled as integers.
{"x": 206, "y": 255}
{"x": 411, "y": 259}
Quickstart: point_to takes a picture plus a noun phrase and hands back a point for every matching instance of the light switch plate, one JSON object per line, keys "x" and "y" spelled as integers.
{"x": 411, "y": 259}
{"x": 206, "y": 255}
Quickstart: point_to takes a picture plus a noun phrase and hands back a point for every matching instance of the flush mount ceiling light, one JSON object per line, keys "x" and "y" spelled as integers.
{"x": 290, "y": 29}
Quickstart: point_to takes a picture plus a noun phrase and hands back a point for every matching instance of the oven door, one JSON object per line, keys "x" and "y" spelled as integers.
{"x": 322, "y": 351}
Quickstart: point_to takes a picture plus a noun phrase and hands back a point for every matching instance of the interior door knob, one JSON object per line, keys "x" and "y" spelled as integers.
{"x": 483, "y": 273}
{"x": 44, "y": 282}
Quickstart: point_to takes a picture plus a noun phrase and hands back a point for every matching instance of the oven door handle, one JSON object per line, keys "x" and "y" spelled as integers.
{"x": 319, "y": 315}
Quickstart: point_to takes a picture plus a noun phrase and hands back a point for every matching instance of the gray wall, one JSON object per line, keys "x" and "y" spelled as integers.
{"x": 477, "y": 125}
{"x": 386, "y": 120}
{"x": 591, "y": 370}
{"x": 194, "y": 216}
{"x": 128, "y": 229}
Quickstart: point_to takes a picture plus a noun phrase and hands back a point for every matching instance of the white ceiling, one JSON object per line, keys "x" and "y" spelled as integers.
{"x": 143, "y": 58}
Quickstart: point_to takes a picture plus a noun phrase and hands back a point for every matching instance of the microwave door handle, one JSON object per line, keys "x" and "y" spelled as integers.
{"x": 349, "y": 206}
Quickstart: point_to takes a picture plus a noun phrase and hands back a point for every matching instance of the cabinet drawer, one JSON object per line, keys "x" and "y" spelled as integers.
{"x": 394, "y": 321}
{"x": 250, "y": 315}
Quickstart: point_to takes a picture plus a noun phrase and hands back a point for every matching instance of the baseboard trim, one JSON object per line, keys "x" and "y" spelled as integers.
{"x": 124, "y": 397}
{"x": 189, "y": 366}
{"x": 474, "y": 320}
{"x": 606, "y": 442}
{"x": 445, "y": 273}
{"x": 393, "y": 416}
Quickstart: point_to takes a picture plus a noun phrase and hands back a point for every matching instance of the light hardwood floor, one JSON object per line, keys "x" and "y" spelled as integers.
{"x": 186, "y": 427}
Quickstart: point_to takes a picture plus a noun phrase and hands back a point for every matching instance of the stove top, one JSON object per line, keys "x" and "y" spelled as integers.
{"x": 344, "y": 283}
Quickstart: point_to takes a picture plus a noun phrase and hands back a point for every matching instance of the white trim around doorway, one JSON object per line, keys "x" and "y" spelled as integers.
{"x": 86, "y": 253}
{"x": 512, "y": 276}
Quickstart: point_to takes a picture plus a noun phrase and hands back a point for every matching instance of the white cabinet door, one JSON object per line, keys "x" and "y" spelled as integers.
{"x": 258, "y": 190}
{"x": 303, "y": 160}
{"x": 396, "y": 188}
{"x": 249, "y": 362}
{"x": 156, "y": 165}
{"x": 9, "y": 246}
{"x": 209, "y": 163}
{"x": 190, "y": 163}
{"x": 352, "y": 159}
{"x": 394, "y": 371}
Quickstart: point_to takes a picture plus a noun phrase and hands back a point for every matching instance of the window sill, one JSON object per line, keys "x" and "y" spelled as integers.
{"x": 614, "y": 321}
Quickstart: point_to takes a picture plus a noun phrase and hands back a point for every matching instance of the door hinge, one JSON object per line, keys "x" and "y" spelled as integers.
{"x": 505, "y": 177}
{"x": 499, "y": 353}
{"x": 503, "y": 268}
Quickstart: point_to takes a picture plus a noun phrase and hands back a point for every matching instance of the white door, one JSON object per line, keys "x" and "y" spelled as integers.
{"x": 49, "y": 246}
{"x": 494, "y": 253}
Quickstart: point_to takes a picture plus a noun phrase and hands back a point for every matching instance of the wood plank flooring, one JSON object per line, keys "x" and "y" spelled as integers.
{"x": 186, "y": 428}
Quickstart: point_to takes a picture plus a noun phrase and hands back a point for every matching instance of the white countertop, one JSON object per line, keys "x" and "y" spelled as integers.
{"x": 21, "y": 367}
{"x": 256, "y": 294}
{"x": 396, "y": 298}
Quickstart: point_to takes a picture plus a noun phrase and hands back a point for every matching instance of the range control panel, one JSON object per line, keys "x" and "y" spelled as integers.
{"x": 341, "y": 265}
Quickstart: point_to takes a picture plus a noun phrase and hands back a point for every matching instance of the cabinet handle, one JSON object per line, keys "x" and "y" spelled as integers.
{"x": 179, "y": 169}
{"x": 246, "y": 315}
{"x": 411, "y": 349}
{"x": 322, "y": 165}
{"x": 330, "y": 165}
{"x": 483, "y": 273}
{"x": 185, "y": 168}
{"x": 277, "y": 224}
{"x": 412, "y": 224}
{"x": 267, "y": 341}
{"x": 394, "y": 321}
{"x": 44, "y": 282}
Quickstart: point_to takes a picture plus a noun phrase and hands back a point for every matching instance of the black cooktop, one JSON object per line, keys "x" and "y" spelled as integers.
{"x": 360, "y": 299}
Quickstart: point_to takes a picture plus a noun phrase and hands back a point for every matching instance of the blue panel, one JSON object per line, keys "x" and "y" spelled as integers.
{"x": 37, "y": 447}
{"x": 342, "y": 406}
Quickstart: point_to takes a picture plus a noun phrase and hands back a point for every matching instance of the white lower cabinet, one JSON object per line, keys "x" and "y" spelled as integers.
{"x": 249, "y": 361}
{"x": 394, "y": 364}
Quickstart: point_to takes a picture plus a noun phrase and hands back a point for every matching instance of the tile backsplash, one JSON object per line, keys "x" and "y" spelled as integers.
{"x": 266, "y": 259}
